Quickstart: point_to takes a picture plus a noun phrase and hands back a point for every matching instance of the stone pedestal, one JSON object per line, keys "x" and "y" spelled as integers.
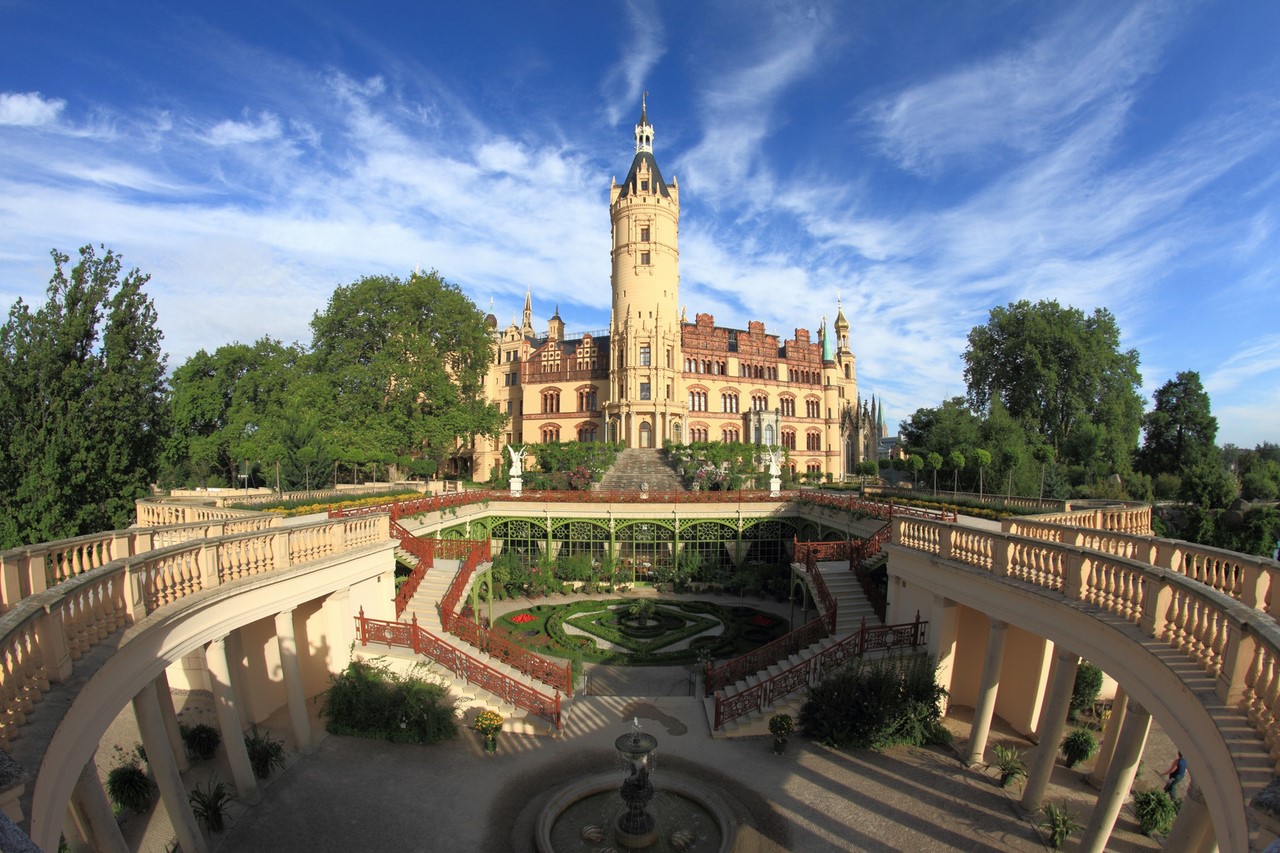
{"x": 775, "y": 486}
{"x": 517, "y": 486}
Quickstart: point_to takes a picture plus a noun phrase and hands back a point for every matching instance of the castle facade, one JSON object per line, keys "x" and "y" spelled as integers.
{"x": 653, "y": 376}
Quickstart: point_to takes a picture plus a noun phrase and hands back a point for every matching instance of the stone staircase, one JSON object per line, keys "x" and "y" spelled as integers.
{"x": 851, "y": 607}
{"x": 636, "y": 467}
{"x": 470, "y": 699}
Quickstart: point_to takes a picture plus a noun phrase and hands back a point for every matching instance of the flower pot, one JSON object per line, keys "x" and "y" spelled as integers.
{"x": 491, "y": 743}
{"x": 779, "y": 745}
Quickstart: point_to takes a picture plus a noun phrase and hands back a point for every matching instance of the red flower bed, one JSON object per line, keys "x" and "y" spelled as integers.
{"x": 762, "y": 620}
{"x": 521, "y": 618}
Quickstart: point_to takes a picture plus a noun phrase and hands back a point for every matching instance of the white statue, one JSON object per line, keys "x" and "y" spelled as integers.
{"x": 775, "y": 460}
{"x": 517, "y": 457}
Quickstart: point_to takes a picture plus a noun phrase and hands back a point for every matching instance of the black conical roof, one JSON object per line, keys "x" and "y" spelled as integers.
{"x": 631, "y": 185}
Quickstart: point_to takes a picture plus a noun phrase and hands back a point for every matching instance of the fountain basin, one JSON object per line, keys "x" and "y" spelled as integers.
{"x": 681, "y": 804}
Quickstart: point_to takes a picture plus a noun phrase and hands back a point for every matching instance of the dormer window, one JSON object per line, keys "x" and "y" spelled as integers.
{"x": 644, "y": 186}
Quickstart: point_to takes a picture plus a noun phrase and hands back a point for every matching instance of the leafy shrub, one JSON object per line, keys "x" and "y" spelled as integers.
{"x": 201, "y": 740}
{"x": 369, "y": 700}
{"x": 265, "y": 753}
{"x": 781, "y": 725}
{"x": 1059, "y": 823}
{"x": 1087, "y": 687}
{"x": 1079, "y": 746}
{"x": 1155, "y": 811}
{"x": 129, "y": 787}
{"x": 1010, "y": 764}
{"x": 872, "y": 704}
{"x": 209, "y": 804}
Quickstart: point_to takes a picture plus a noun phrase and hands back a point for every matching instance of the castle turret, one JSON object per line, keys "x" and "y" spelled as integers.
{"x": 645, "y": 405}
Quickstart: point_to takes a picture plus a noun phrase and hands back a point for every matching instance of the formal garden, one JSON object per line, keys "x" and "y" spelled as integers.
{"x": 641, "y": 631}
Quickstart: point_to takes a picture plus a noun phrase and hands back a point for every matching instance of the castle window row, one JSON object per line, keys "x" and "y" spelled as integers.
{"x": 699, "y": 365}
{"x": 758, "y": 371}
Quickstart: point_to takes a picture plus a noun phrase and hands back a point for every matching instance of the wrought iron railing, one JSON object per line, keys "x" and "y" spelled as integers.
{"x": 410, "y": 635}
{"x": 808, "y": 672}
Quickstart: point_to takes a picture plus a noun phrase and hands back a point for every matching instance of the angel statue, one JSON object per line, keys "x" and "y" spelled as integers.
{"x": 775, "y": 458}
{"x": 517, "y": 457}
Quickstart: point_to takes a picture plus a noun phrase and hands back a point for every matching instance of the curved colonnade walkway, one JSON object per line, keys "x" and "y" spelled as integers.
{"x": 1242, "y": 661}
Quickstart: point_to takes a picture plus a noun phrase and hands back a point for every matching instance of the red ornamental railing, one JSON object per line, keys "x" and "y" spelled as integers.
{"x": 717, "y": 678}
{"x": 826, "y": 601}
{"x": 474, "y": 671}
{"x": 555, "y": 674}
{"x": 808, "y": 672}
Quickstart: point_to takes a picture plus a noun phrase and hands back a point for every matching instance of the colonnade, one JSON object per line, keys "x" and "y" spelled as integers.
{"x": 1118, "y": 757}
{"x": 90, "y": 823}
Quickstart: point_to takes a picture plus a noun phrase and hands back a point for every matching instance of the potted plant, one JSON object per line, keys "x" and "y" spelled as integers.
{"x": 488, "y": 724}
{"x": 781, "y": 726}
{"x": 1059, "y": 824}
{"x": 1009, "y": 763}
{"x": 209, "y": 804}
{"x": 1079, "y": 746}
{"x": 129, "y": 787}
{"x": 265, "y": 753}
{"x": 201, "y": 740}
{"x": 1155, "y": 811}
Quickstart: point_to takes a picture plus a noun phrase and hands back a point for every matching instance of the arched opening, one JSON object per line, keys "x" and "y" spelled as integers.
{"x": 646, "y": 435}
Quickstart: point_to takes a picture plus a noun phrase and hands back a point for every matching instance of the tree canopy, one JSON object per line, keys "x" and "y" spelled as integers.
{"x": 1060, "y": 373}
{"x": 82, "y": 402}
{"x": 1179, "y": 433}
{"x": 403, "y": 366}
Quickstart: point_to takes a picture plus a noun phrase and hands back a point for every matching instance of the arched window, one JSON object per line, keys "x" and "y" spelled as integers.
{"x": 550, "y": 434}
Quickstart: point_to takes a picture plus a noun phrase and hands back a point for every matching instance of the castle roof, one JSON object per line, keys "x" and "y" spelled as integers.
{"x": 631, "y": 185}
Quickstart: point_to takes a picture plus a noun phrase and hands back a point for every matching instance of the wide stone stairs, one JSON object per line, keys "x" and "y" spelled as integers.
{"x": 470, "y": 699}
{"x": 852, "y": 607}
{"x": 638, "y": 468}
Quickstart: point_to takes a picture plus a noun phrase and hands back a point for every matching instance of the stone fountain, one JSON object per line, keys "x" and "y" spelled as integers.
{"x": 599, "y": 815}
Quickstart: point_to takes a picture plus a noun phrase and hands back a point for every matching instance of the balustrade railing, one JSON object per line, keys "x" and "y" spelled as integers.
{"x": 1217, "y": 630}
{"x": 43, "y": 633}
{"x": 31, "y": 569}
{"x": 471, "y": 669}
{"x": 810, "y": 671}
{"x": 732, "y": 671}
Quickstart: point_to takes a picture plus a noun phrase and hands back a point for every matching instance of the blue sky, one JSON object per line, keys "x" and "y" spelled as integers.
{"x": 923, "y": 162}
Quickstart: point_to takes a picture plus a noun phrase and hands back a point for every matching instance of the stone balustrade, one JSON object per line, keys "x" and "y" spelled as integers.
{"x": 1251, "y": 580}
{"x": 159, "y": 512}
{"x": 44, "y": 632}
{"x": 1217, "y": 630}
{"x": 32, "y": 569}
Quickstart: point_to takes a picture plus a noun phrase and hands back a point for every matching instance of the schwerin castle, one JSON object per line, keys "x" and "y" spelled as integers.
{"x": 655, "y": 377}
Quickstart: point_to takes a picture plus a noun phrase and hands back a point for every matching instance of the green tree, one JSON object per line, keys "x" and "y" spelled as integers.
{"x": 82, "y": 402}
{"x": 934, "y": 461}
{"x": 983, "y": 458}
{"x": 302, "y": 451}
{"x": 404, "y": 364}
{"x": 957, "y": 461}
{"x": 1179, "y": 432}
{"x": 1044, "y": 454}
{"x": 228, "y": 406}
{"x": 915, "y": 463}
{"x": 1056, "y": 370}
{"x": 941, "y": 429}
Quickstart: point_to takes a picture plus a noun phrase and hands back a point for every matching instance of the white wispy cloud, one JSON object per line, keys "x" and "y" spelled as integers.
{"x": 1026, "y": 98}
{"x": 29, "y": 109}
{"x": 645, "y": 46}
{"x": 265, "y": 127}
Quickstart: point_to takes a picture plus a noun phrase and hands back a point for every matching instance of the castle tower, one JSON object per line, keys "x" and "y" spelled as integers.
{"x": 646, "y": 404}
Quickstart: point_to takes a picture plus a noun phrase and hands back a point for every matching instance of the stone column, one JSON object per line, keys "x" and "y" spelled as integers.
{"x": 165, "y": 696}
{"x": 987, "y": 690}
{"x": 97, "y": 820}
{"x": 943, "y": 624}
{"x": 1119, "y": 779}
{"x": 287, "y": 640}
{"x": 1108, "y": 747}
{"x": 224, "y": 702}
{"x": 1192, "y": 831}
{"x": 173, "y": 794}
{"x": 1053, "y": 722}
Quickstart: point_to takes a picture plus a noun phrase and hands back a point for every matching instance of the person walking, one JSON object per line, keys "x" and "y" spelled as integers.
{"x": 1177, "y": 770}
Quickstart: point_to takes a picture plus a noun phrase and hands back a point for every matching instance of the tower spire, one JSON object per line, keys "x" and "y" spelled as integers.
{"x": 644, "y": 130}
